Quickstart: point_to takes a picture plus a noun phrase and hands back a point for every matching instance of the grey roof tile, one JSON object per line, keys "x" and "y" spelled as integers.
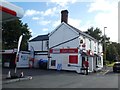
{"x": 40, "y": 38}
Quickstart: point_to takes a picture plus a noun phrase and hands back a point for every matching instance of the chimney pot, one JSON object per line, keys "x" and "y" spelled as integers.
{"x": 64, "y": 16}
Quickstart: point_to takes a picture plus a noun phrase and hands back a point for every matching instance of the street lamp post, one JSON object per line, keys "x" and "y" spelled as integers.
{"x": 105, "y": 47}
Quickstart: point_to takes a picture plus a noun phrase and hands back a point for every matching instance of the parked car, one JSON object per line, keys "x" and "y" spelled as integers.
{"x": 116, "y": 67}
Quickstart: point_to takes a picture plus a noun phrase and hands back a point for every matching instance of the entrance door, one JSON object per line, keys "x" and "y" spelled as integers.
{"x": 94, "y": 63}
{"x": 83, "y": 59}
{"x": 90, "y": 59}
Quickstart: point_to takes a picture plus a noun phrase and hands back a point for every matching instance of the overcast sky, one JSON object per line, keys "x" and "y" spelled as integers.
{"x": 43, "y": 17}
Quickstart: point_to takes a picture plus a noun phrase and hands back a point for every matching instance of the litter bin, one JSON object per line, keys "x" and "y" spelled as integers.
{"x": 43, "y": 64}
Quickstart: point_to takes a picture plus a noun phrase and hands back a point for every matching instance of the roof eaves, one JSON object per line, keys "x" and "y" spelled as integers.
{"x": 40, "y": 38}
{"x": 79, "y": 31}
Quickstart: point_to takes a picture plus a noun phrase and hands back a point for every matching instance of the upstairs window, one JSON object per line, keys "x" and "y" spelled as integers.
{"x": 47, "y": 44}
{"x": 95, "y": 46}
{"x": 90, "y": 44}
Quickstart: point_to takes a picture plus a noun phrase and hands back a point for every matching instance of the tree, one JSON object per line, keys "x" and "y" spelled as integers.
{"x": 112, "y": 53}
{"x": 11, "y": 32}
{"x": 117, "y": 49}
{"x": 96, "y": 33}
{"x": 112, "y": 49}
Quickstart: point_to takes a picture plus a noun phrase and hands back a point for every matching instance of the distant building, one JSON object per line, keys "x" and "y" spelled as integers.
{"x": 39, "y": 43}
{"x": 40, "y": 46}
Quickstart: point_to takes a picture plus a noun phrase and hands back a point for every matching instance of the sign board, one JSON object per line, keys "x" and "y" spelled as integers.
{"x": 70, "y": 50}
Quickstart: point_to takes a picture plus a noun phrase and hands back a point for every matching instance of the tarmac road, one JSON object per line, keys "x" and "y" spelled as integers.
{"x": 64, "y": 79}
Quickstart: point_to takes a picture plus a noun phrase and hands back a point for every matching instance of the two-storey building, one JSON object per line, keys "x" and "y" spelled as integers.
{"x": 69, "y": 47}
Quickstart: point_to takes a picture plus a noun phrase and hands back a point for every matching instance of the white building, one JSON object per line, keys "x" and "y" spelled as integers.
{"x": 40, "y": 46}
{"x": 69, "y": 47}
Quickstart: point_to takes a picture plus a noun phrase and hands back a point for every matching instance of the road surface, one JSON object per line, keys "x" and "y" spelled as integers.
{"x": 65, "y": 79}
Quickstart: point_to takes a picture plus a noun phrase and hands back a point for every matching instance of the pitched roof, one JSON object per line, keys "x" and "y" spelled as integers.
{"x": 40, "y": 38}
{"x": 73, "y": 28}
{"x": 84, "y": 34}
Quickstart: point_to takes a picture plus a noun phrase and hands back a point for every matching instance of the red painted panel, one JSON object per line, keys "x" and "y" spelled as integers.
{"x": 51, "y": 51}
{"x": 73, "y": 59}
{"x": 4, "y": 9}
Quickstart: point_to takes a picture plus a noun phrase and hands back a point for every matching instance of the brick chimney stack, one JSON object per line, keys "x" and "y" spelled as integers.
{"x": 64, "y": 16}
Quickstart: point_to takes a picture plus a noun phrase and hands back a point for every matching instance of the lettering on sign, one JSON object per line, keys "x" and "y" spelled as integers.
{"x": 55, "y": 51}
{"x": 69, "y": 51}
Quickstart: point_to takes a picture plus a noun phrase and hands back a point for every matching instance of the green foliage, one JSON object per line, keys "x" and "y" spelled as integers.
{"x": 112, "y": 49}
{"x": 110, "y": 64}
{"x": 11, "y": 32}
{"x": 112, "y": 53}
{"x": 96, "y": 33}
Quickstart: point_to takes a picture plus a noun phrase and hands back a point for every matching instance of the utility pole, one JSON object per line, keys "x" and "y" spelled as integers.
{"x": 105, "y": 47}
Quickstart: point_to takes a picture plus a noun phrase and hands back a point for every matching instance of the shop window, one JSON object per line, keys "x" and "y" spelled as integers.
{"x": 73, "y": 59}
{"x": 99, "y": 61}
{"x": 90, "y": 46}
{"x": 95, "y": 47}
{"x": 53, "y": 62}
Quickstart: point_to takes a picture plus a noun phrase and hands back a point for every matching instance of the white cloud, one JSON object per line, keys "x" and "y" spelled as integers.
{"x": 44, "y": 22}
{"x": 108, "y": 20}
{"x": 86, "y": 25}
{"x": 107, "y": 16}
{"x": 36, "y": 18}
{"x": 71, "y": 21}
{"x": 31, "y": 31}
{"x": 54, "y": 11}
{"x": 45, "y": 29}
{"x": 101, "y": 5}
{"x": 56, "y": 23}
{"x": 32, "y": 12}
{"x": 74, "y": 22}
{"x": 63, "y": 3}
{"x": 50, "y": 11}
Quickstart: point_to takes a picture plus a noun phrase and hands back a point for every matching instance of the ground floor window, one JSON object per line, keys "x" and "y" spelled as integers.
{"x": 96, "y": 59}
{"x": 99, "y": 61}
{"x": 53, "y": 62}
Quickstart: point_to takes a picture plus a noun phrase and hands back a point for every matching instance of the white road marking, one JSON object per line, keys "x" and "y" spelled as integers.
{"x": 106, "y": 72}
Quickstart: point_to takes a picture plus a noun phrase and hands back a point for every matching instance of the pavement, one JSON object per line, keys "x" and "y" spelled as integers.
{"x": 6, "y": 81}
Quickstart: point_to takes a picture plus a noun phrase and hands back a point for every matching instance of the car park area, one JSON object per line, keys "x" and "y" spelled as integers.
{"x": 63, "y": 79}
